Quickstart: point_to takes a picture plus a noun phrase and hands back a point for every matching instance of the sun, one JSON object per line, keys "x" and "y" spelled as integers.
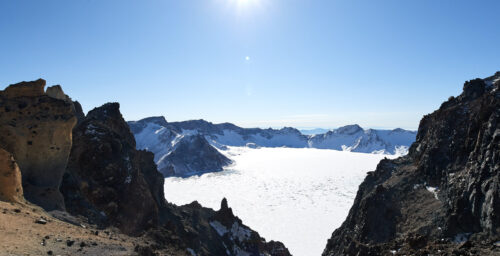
{"x": 245, "y": 4}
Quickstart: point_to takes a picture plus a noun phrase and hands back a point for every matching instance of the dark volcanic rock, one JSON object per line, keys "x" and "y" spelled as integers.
{"x": 193, "y": 155}
{"x": 446, "y": 191}
{"x": 105, "y": 180}
{"x": 208, "y": 232}
{"x": 36, "y": 127}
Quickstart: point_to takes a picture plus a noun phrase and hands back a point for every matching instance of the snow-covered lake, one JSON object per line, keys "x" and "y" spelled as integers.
{"x": 296, "y": 196}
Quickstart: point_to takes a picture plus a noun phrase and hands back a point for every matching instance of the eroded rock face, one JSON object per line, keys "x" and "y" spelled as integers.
{"x": 11, "y": 189}
{"x": 36, "y": 129}
{"x": 445, "y": 192}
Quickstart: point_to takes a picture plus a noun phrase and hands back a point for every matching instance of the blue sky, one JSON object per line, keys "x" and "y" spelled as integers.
{"x": 311, "y": 63}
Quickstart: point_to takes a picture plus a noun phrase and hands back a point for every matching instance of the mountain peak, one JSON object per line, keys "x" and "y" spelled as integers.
{"x": 349, "y": 129}
{"x": 159, "y": 120}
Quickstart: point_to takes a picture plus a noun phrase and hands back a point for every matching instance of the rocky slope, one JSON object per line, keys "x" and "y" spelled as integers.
{"x": 161, "y": 137}
{"x": 107, "y": 184}
{"x": 442, "y": 198}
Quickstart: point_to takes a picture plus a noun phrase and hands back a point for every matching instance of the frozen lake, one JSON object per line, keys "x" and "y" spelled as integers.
{"x": 296, "y": 196}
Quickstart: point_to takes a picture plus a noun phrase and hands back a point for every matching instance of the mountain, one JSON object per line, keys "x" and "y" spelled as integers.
{"x": 192, "y": 155}
{"x": 354, "y": 138}
{"x": 443, "y": 197}
{"x": 66, "y": 175}
{"x": 162, "y": 138}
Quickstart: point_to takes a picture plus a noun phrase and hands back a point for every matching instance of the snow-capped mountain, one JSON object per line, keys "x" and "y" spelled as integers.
{"x": 163, "y": 139}
{"x": 354, "y": 138}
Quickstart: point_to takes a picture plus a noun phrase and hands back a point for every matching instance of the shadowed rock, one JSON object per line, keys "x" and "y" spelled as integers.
{"x": 445, "y": 192}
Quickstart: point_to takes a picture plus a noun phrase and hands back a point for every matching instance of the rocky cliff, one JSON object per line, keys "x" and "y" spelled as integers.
{"x": 35, "y": 127}
{"x": 442, "y": 198}
{"x": 104, "y": 179}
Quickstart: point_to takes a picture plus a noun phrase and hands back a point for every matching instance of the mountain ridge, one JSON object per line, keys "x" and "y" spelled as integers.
{"x": 161, "y": 137}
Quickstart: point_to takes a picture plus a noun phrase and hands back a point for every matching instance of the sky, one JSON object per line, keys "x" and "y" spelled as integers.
{"x": 255, "y": 63}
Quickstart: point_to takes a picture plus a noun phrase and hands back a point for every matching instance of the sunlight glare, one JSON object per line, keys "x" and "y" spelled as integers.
{"x": 242, "y": 5}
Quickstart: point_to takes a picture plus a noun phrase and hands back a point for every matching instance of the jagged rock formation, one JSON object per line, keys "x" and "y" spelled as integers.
{"x": 162, "y": 138}
{"x": 104, "y": 178}
{"x": 36, "y": 128}
{"x": 11, "y": 189}
{"x": 208, "y": 232}
{"x": 443, "y": 198}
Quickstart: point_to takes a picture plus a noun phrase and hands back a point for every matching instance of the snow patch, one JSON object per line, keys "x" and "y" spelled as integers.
{"x": 433, "y": 190}
{"x": 462, "y": 237}
{"x": 240, "y": 233}
{"x": 191, "y": 251}
{"x": 221, "y": 229}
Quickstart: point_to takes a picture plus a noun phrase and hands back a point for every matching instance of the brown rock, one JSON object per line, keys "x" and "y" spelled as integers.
{"x": 11, "y": 189}
{"x": 36, "y": 129}
{"x": 25, "y": 89}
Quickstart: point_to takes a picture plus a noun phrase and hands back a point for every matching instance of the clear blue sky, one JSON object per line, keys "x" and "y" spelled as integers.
{"x": 311, "y": 63}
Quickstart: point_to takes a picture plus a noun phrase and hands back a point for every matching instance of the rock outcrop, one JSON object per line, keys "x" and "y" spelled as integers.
{"x": 11, "y": 189}
{"x": 36, "y": 128}
{"x": 441, "y": 199}
{"x": 105, "y": 180}
{"x": 207, "y": 232}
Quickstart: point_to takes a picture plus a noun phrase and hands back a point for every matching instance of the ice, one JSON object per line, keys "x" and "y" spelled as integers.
{"x": 298, "y": 196}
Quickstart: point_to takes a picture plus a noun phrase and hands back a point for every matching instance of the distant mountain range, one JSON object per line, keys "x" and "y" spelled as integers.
{"x": 164, "y": 139}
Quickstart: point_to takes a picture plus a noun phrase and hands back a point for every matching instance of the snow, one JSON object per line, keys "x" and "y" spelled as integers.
{"x": 191, "y": 251}
{"x": 298, "y": 196}
{"x": 462, "y": 237}
{"x": 434, "y": 191}
{"x": 221, "y": 229}
{"x": 240, "y": 233}
{"x": 161, "y": 138}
